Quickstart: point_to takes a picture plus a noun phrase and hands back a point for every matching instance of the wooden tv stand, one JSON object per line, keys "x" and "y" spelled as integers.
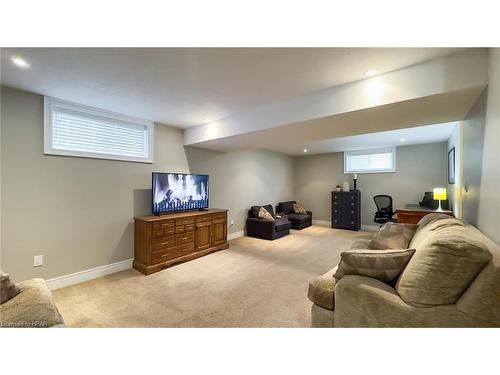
{"x": 161, "y": 241}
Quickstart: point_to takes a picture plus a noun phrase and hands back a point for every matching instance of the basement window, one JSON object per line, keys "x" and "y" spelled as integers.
{"x": 370, "y": 161}
{"x": 76, "y": 130}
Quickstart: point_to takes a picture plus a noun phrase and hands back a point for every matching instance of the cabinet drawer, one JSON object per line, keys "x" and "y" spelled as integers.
{"x": 189, "y": 228}
{"x": 201, "y": 219}
{"x": 162, "y": 243}
{"x": 169, "y": 231}
{"x": 163, "y": 224}
{"x": 181, "y": 239}
{"x": 219, "y": 216}
{"x": 180, "y": 222}
{"x": 180, "y": 229}
{"x": 157, "y": 233}
{"x": 172, "y": 253}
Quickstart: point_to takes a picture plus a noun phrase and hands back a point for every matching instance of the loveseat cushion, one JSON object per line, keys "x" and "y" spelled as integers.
{"x": 321, "y": 290}
{"x": 265, "y": 214}
{"x": 254, "y": 210}
{"x": 282, "y": 224}
{"x": 286, "y": 207}
{"x": 393, "y": 236}
{"x": 430, "y": 223}
{"x": 446, "y": 261}
{"x": 34, "y": 307}
{"x": 299, "y": 218}
{"x": 383, "y": 265}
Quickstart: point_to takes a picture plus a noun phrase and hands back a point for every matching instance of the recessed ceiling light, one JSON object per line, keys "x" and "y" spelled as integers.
{"x": 402, "y": 140}
{"x": 305, "y": 150}
{"x": 371, "y": 72}
{"x": 20, "y": 62}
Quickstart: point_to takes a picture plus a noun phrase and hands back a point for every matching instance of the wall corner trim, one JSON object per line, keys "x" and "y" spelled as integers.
{"x": 86, "y": 275}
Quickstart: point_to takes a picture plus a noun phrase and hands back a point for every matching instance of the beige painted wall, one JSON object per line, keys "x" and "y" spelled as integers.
{"x": 473, "y": 144}
{"x": 419, "y": 168}
{"x": 454, "y": 191}
{"x": 77, "y": 212}
{"x": 489, "y": 201}
{"x": 241, "y": 179}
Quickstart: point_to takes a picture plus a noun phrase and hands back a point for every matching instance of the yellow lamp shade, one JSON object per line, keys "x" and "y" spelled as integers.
{"x": 440, "y": 194}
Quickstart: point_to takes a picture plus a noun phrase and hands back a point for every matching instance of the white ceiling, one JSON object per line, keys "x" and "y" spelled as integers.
{"x": 400, "y": 137}
{"x": 184, "y": 87}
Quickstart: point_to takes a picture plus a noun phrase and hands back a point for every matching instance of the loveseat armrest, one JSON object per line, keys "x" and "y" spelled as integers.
{"x": 366, "y": 302}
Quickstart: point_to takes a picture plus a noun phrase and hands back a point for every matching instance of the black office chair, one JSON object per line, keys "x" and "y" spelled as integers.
{"x": 384, "y": 209}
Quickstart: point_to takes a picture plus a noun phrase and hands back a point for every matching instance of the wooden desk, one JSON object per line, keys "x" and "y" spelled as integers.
{"x": 412, "y": 213}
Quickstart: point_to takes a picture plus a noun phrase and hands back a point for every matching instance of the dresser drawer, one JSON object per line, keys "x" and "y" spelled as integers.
{"x": 201, "y": 219}
{"x": 172, "y": 253}
{"x": 181, "y": 239}
{"x": 163, "y": 224}
{"x": 219, "y": 216}
{"x": 181, "y": 229}
{"x": 181, "y": 222}
{"x": 162, "y": 243}
{"x": 157, "y": 233}
{"x": 169, "y": 231}
{"x": 189, "y": 228}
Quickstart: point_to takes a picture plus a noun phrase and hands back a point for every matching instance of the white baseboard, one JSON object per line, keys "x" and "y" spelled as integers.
{"x": 322, "y": 222}
{"x": 369, "y": 228}
{"x": 94, "y": 273}
{"x": 232, "y": 236}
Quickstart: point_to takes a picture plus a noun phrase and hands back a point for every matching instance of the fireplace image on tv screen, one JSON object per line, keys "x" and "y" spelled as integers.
{"x": 179, "y": 192}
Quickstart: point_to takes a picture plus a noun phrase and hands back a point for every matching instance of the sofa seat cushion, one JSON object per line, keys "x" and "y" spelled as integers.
{"x": 34, "y": 307}
{"x": 282, "y": 224}
{"x": 299, "y": 218}
{"x": 446, "y": 261}
{"x": 321, "y": 290}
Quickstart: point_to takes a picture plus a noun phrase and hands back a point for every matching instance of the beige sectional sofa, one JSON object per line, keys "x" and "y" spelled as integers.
{"x": 452, "y": 280}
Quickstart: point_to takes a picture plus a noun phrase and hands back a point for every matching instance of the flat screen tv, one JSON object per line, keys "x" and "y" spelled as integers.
{"x": 174, "y": 192}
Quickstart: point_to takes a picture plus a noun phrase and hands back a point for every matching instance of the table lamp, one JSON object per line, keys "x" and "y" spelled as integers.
{"x": 439, "y": 194}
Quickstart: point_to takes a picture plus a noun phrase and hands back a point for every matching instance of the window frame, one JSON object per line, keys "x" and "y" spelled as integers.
{"x": 392, "y": 150}
{"x": 48, "y": 149}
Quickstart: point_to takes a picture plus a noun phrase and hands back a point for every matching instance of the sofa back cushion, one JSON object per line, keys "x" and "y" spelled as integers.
{"x": 393, "y": 236}
{"x": 430, "y": 223}
{"x": 286, "y": 207}
{"x": 446, "y": 261}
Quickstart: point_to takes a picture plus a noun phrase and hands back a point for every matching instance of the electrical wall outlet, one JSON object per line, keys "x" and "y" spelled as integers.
{"x": 38, "y": 260}
{"x": 232, "y": 222}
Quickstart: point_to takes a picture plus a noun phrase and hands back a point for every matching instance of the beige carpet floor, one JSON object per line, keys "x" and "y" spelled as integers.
{"x": 255, "y": 283}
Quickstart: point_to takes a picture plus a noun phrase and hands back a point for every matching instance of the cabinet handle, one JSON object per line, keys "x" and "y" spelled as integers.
{"x": 164, "y": 255}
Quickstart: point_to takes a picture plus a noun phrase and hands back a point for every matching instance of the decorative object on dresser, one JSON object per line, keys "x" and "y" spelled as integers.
{"x": 161, "y": 241}
{"x": 346, "y": 210}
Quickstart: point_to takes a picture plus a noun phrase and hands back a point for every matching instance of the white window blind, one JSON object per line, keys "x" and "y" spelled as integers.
{"x": 370, "y": 161}
{"x": 76, "y": 130}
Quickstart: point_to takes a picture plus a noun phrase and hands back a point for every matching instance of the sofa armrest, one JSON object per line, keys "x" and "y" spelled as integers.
{"x": 260, "y": 227}
{"x": 366, "y": 302}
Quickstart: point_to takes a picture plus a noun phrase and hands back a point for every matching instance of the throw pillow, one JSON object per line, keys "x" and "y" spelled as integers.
{"x": 299, "y": 209}
{"x": 8, "y": 289}
{"x": 384, "y": 265}
{"x": 445, "y": 264}
{"x": 264, "y": 214}
{"x": 393, "y": 236}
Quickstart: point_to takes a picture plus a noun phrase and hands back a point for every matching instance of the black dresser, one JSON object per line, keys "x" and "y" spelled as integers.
{"x": 346, "y": 210}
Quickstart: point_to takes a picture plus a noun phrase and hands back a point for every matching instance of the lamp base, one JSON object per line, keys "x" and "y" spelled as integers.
{"x": 439, "y": 209}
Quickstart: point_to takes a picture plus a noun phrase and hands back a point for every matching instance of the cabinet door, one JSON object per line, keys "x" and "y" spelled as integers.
{"x": 219, "y": 230}
{"x": 203, "y": 235}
